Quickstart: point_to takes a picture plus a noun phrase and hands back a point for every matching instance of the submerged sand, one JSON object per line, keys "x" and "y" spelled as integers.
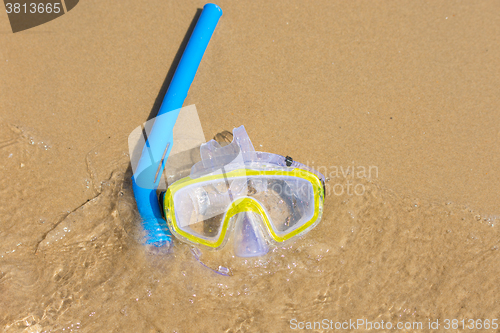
{"x": 408, "y": 91}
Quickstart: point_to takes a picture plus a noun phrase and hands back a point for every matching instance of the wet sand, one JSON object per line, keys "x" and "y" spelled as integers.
{"x": 410, "y": 90}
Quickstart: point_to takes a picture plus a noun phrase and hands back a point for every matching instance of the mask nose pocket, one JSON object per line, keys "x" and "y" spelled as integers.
{"x": 249, "y": 240}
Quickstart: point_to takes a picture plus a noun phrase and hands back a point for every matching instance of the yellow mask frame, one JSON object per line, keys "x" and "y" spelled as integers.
{"x": 246, "y": 204}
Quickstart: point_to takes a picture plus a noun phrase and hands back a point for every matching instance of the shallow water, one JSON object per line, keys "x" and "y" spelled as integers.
{"x": 378, "y": 256}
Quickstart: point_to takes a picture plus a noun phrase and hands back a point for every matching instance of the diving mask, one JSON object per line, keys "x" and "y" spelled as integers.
{"x": 257, "y": 198}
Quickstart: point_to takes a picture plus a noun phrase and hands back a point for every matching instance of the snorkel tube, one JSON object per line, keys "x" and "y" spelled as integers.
{"x": 159, "y": 143}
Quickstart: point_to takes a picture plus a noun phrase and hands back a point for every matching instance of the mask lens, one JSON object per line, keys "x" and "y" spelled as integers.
{"x": 289, "y": 201}
{"x": 200, "y": 209}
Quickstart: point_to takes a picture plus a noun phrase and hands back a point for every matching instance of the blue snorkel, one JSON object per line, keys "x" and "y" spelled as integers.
{"x": 160, "y": 141}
